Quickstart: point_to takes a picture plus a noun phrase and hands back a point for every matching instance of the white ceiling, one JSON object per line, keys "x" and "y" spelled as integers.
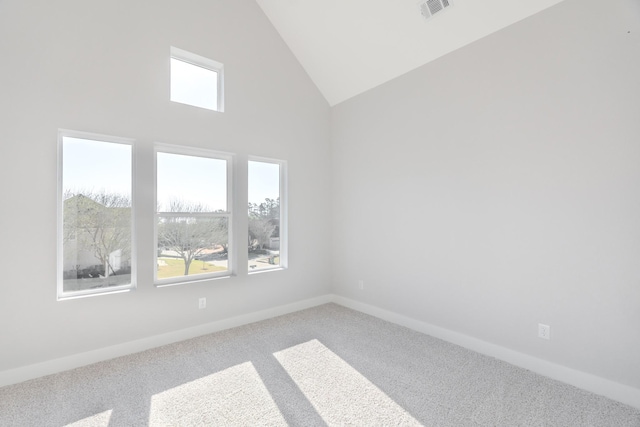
{"x": 350, "y": 46}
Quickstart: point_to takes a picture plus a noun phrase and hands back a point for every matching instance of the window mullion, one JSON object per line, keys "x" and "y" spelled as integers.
{"x": 194, "y": 214}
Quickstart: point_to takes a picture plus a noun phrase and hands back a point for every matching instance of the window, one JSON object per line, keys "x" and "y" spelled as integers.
{"x": 196, "y": 80}
{"x": 95, "y": 217}
{"x": 193, "y": 216}
{"x": 267, "y": 213}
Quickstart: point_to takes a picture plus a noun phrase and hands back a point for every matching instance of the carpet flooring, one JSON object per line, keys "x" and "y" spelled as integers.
{"x": 325, "y": 366}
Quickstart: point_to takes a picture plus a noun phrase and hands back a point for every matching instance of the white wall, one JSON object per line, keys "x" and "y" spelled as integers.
{"x": 493, "y": 189}
{"x": 103, "y": 67}
{"x": 499, "y": 187}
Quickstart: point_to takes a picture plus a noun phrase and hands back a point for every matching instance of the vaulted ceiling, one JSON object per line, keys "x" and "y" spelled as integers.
{"x": 350, "y": 46}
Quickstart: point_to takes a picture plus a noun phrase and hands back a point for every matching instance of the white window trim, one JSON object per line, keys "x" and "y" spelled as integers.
{"x": 199, "y": 152}
{"x": 209, "y": 64}
{"x": 61, "y": 294}
{"x": 284, "y": 209}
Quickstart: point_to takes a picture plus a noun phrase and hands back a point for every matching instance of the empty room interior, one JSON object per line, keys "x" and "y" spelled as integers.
{"x": 443, "y": 222}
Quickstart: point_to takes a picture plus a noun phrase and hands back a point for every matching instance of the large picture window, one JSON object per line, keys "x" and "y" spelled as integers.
{"x": 193, "y": 215}
{"x": 95, "y": 218}
{"x": 267, "y": 214}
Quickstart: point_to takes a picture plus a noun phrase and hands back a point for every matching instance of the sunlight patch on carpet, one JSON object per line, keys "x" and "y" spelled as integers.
{"x": 98, "y": 420}
{"x": 338, "y": 392}
{"x": 232, "y": 397}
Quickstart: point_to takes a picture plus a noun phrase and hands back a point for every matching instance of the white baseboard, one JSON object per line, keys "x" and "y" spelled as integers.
{"x": 585, "y": 381}
{"x": 598, "y": 385}
{"x": 49, "y": 367}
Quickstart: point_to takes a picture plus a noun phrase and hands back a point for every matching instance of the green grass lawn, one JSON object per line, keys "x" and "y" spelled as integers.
{"x": 175, "y": 267}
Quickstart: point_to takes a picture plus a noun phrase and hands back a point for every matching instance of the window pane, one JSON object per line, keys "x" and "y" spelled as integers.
{"x": 194, "y": 85}
{"x": 190, "y": 246}
{"x": 191, "y": 184}
{"x": 96, "y": 225}
{"x": 264, "y": 215}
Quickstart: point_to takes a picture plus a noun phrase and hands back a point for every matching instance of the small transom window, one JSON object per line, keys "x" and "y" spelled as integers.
{"x": 196, "y": 80}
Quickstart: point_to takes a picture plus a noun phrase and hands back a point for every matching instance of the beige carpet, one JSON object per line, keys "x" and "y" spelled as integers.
{"x": 324, "y": 366}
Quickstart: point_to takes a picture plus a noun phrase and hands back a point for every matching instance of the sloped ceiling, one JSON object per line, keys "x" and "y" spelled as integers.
{"x": 350, "y": 46}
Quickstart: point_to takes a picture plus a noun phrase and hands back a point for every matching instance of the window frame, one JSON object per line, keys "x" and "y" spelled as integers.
{"x": 60, "y": 292}
{"x": 203, "y": 62}
{"x": 195, "y": 152}
{"x": 284, "y": 207}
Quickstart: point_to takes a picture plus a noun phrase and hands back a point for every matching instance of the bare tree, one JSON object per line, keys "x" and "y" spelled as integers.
{"x": 260, "y": 232}
{"x": 191, "y": 235}
{"x": 264, "y": 222}
{"x": 100, "y": 222}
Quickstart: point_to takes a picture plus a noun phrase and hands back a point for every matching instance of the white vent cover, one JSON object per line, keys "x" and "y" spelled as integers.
{"x": 428, "y": 8}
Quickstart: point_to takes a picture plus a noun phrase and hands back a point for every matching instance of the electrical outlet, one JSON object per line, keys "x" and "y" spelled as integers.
{"x": 544, "y": 331}
{"x": 202, "y": 303}
{"x": 361, "y": 284}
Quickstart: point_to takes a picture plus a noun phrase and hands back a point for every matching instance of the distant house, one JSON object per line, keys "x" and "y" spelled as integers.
{"x": 96, "y": 238}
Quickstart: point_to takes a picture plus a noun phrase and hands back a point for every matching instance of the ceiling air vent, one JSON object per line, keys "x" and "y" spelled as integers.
{"x": 428, "y": 8}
